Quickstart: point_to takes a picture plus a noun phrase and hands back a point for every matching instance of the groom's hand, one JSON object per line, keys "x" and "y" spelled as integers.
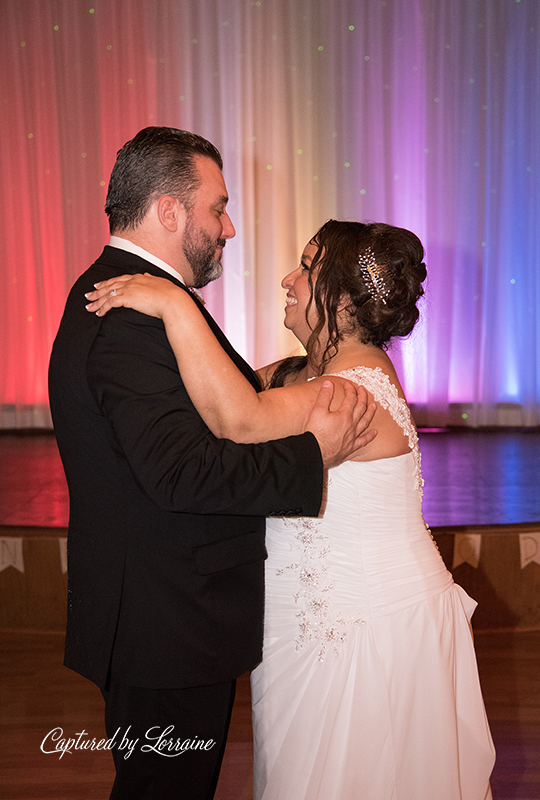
{"x": 343, "y": 429}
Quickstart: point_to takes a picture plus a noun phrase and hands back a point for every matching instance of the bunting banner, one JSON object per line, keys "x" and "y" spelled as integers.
{"x": 529, "y": 548}
{"x": 11, "y": 553}
{"x": 62, "y": 543}
{"x": 467, "y": 549}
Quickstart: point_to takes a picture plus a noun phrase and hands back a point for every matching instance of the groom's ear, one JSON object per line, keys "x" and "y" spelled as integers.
{"x": 171, "y": 213}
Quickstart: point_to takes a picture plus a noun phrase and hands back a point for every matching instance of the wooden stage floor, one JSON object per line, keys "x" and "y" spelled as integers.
{"x": 472, "y": 478}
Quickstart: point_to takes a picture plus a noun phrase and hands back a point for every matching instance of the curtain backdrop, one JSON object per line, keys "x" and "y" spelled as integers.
{"x": 421, "y": 113}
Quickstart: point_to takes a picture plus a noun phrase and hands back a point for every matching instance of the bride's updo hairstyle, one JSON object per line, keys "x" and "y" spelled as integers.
{"x": 374, "y": 271}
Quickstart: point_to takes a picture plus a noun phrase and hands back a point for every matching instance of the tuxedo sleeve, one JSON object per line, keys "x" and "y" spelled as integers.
{"x": 172, "y": 455}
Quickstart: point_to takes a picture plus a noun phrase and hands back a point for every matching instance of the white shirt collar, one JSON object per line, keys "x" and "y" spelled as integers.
{"x": 124, "y": 244}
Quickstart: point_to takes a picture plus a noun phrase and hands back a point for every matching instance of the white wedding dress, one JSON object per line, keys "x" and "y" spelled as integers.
{"x": 368, "y": 688}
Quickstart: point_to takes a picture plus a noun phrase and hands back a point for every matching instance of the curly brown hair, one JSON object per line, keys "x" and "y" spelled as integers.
{"x": 336, "y": 273}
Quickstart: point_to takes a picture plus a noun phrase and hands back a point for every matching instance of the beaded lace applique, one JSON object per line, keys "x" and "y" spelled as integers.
{"x": 319, "y": 620}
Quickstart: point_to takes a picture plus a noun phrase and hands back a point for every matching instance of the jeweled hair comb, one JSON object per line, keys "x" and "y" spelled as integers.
{"x": 373, "y": 275}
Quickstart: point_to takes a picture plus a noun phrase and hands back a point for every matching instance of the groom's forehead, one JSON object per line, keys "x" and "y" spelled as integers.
{"x": 212, "y": 183}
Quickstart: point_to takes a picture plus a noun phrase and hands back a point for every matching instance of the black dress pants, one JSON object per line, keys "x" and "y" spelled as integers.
{"x": 167, "y": 744}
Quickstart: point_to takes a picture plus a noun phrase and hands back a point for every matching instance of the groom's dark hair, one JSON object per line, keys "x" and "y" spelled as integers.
{"x": 156, "y": 162}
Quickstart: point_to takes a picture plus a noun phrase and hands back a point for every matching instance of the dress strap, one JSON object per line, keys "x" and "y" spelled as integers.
{"x": 386, "y": 394}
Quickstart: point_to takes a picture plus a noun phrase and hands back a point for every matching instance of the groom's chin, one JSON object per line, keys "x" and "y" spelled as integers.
{"x": 213, "y": 271}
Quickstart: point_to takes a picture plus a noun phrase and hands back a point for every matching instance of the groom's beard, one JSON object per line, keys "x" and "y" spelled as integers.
{"x": 200, "y": 249}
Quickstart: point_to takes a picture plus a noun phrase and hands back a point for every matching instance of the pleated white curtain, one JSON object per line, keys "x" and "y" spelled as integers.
{"x": 420, "y": 113}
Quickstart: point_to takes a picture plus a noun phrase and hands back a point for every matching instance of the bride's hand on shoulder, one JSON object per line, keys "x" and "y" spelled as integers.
{"x": 145, "y": 293}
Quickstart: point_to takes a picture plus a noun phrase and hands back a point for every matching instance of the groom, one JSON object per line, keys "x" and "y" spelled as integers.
{"x": 166, "y": 532}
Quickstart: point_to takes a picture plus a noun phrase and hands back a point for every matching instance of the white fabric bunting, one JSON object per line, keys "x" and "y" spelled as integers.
{"x": 467, "y": 549}
{"x": 62, "y": 542}
{"x": 11, "y": 553}
{"x": 529, "y": 548}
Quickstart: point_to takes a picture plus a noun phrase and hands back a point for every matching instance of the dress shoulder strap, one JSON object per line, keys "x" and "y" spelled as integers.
{"x": 386, "y": 394}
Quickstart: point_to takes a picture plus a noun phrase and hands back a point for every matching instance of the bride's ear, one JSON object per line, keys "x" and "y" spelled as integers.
{"x": 346, "y": 304}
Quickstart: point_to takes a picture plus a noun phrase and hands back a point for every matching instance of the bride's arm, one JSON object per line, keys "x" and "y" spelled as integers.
{"x": 226, "y": 401}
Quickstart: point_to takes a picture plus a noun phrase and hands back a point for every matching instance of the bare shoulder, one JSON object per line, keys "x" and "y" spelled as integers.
{"x": 379, "y": 379}
{"x": 339, "y": 382}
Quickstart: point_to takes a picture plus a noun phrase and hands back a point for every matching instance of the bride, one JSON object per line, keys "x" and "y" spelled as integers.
{"x": 368, "y": 687}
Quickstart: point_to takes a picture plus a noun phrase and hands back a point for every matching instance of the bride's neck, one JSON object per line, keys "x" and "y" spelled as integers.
{"x": 351, "y": 353}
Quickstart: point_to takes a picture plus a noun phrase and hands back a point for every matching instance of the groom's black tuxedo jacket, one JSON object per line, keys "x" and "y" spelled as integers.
{"x": 166, "y": 530}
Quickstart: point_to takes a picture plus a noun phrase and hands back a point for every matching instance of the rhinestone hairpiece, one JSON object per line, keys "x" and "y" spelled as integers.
{"x": 372, "y": 274}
